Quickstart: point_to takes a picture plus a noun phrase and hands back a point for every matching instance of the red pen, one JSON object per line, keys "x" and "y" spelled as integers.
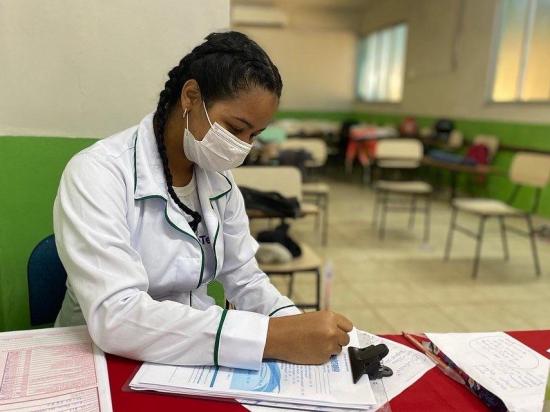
{"x": 446, "y": 369}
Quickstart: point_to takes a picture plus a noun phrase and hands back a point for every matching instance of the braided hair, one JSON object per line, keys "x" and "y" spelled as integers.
{"x": 224, "y": 65}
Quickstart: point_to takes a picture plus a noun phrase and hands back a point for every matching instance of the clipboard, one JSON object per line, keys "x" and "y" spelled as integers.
{"x": 377, "y": 385}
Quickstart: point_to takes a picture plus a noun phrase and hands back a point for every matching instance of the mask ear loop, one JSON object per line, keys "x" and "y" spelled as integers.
{"x": 205, "y": 111}
{"x": 186, "y": 117}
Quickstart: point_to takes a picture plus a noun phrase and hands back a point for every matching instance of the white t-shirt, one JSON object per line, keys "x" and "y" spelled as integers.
{"x": 189, "y": 196}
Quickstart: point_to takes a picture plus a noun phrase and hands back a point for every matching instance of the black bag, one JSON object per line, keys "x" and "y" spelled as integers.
{"x": 271, "y": 203}
{"x": 296, "y": 158}
{"x": 280, "y": 235}
{"x": 443, "y": 129}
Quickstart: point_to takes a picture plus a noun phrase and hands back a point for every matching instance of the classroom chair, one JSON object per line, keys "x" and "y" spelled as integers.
{"x": 287, "y": 180}
{"x": 398, "y": 155}
{"x": 309, "y": 261}
{"x": 527, "y": 170}
{"x": 46, "y": 278}
{"x": 455, "y": 141}
{"x": 317, "y": 192}
{"x": 317, "y": 147}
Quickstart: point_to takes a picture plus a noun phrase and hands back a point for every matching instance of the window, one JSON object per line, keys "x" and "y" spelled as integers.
{"x": 522, "y": 63}
{"x": 381, "y": 65}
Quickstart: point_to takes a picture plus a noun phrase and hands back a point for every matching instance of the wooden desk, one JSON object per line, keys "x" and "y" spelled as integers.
{"x": 432, "y": 392}
{"x": 456, "y": 168}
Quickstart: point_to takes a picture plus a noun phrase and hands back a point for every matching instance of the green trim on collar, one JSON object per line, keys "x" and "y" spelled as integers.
{"x": 179, "y": 230}
{"x": 224, "y": 193}
{"x": 281, "y": 308}
{"x": 218, "y": 335}
{"x": 218, "y": 228}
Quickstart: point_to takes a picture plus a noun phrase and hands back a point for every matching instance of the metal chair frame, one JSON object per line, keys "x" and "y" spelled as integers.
{"x": 530, "y": 233}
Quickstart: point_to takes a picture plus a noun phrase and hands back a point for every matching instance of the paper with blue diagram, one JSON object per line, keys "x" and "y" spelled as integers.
{"x": 327, "y": 385}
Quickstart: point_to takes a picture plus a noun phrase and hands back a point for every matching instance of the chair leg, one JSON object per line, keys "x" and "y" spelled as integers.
{"x": 427, "y": 218}
{"x": 382, "y": 229}
{"x": 504, "y": 239}
{"x": 533, "y": 244}
{"x": 412, "y": 212}
{"x": 318, "y": 289}
{"x": 449, "y": 242}
{"x": 291, "y": 286}
{"x": 325, "y": 220}
{"x": 375, "y": 208}
{"x": 478, "y": 246}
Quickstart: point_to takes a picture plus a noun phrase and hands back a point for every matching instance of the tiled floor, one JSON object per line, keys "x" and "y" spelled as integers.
{"x": 401, "y": 284}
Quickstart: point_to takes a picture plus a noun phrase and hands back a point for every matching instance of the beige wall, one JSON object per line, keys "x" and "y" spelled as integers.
{"x": 92, "y": 67}
{"x": 449, "y": 62}
{"x": 317, "y": 66}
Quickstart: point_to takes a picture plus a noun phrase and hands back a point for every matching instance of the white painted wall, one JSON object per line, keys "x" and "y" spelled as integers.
{"x": 317, "y": 66}
{"x": 433, "y": 85}
{"x": 88, "y": 68}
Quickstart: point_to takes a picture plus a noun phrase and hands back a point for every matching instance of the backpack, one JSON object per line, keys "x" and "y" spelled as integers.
{"x": 280, "y": 235}
{"x": 272, "y": 203}
{"x": 408, "y": 127}
{"x": 478, "y": 154}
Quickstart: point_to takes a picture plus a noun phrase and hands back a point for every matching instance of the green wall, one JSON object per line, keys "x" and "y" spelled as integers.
{"x": 30, "y": 168}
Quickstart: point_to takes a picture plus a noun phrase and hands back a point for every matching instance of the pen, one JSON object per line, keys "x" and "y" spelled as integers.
{"x": 446, "y": 369}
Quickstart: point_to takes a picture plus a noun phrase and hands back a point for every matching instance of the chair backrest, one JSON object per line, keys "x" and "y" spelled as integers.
{"x": 286, "y": 180}
{"x": 490, "y": 141}
{"x": 456, "y": 139}
{"x": 315, "y": 146}
{"x": 530, "y": 169}
{"x": 46, "y": 278}
{"x": 399, "y": 153}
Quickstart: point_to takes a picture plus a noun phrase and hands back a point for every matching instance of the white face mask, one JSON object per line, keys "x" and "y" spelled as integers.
{"x": 220, "y": 150}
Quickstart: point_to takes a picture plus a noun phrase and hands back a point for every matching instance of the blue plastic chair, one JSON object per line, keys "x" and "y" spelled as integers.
{"x": 46, "y": 282}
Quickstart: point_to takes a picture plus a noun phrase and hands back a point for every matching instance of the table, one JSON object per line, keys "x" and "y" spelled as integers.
{"x": 434, "y": 391}
{"x": 455, "y": 168}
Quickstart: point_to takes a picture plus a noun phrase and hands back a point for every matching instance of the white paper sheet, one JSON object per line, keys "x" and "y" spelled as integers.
{"x": 503, "y": 365}
{"x": 55, "y": 369}
{"x": 321, "y": 385}
{"x": 408, "y": 366}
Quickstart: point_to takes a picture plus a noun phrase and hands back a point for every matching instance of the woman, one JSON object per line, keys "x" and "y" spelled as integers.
{"x": 146, "y": 218}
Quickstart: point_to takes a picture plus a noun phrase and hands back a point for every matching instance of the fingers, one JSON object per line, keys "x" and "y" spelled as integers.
{"x": 343, "y": 338}
{"x": 343, "y": 323}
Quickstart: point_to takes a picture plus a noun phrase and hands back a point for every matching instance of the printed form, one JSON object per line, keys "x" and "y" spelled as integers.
{"x": 408, "y": 366}
{"x": 329, "y": 384}
{"x": 56, "y": 369}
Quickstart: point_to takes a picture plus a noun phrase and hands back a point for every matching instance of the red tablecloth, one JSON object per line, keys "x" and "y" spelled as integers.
{"x": 433, "y": 392}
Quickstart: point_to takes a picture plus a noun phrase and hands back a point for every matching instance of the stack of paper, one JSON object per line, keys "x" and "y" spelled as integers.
{"x": 328, "y": 385}
{"x": 408, "y": 365}
{"x": 325, "y": 387}
{"x": 501, "y": 364}
{"x": 56, "y": 369}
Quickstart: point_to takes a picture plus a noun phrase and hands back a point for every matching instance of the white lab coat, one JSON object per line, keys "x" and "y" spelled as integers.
{"x": 135, "y": 267}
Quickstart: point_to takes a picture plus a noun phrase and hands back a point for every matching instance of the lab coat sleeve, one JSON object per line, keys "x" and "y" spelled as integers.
{"x": 245, "y": 285}
{"x": 110, "y": 282}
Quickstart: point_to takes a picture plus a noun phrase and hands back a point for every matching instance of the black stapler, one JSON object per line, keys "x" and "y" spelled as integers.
{"x": 367, "y": 361}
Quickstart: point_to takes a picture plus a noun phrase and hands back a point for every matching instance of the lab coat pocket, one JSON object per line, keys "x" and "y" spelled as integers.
{"x": 185, "y": 273}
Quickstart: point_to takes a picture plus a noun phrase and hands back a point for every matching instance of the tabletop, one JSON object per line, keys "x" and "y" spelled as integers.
{"x": 433, "y": 391}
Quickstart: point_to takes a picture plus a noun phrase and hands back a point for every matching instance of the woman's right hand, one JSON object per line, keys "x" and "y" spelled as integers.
{"x": 309, "y": 338}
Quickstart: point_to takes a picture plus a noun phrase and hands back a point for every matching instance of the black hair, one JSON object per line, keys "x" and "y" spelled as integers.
{"x": 223, "y": 65}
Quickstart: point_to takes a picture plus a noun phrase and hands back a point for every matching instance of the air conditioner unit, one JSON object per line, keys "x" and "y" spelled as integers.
{"x": 258, "y": 16}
